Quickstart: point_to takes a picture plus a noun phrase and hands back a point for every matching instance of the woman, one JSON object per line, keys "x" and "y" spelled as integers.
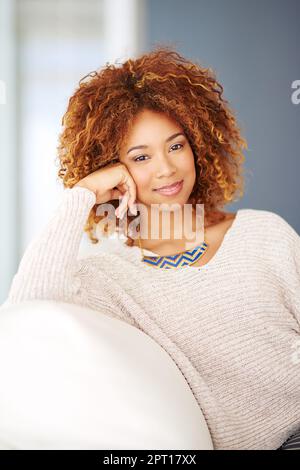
{"x": 223, "y": 302}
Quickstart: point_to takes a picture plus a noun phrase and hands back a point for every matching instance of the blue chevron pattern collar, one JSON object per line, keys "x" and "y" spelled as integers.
{"x": 178, "y": 260}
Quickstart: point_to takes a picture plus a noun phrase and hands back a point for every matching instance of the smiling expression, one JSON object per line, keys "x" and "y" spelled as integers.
{"x": 157, "y": 153}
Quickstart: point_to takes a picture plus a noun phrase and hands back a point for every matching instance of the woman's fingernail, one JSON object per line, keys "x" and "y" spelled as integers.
{"x": 134, "y": 209}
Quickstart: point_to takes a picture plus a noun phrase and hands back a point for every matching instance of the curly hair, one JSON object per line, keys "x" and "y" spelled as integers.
{"x": 101, "y": 110}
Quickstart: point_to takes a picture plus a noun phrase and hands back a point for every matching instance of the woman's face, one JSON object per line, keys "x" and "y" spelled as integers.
{"x": 164, "y": 159}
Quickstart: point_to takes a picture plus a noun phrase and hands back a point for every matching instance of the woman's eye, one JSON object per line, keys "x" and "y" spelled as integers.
{"x": 136, "y": 159}
{"x": 176, "y": 144}
{"x": 140, "y": 156}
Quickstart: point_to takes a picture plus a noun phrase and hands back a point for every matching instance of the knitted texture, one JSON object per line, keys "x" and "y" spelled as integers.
{"x": 232, "y": 326}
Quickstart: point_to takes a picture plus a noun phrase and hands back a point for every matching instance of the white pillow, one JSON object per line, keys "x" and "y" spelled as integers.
{"x": 74, "y": 378}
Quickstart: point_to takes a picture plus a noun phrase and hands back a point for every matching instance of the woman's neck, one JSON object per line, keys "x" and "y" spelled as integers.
{"x": 217, "y": 224}
{"x": 180, "y": 234}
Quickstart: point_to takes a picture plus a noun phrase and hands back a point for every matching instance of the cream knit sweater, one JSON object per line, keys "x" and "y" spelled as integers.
{"x": 232, "y": 326}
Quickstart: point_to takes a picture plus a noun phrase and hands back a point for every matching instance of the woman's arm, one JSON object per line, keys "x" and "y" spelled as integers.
{"x": 47, "y": 268}
{"x": 294, "y": 284}
{"x": 286, "y": 255}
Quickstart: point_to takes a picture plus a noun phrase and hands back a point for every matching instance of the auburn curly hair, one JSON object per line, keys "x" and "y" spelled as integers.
{"x": 101, "y": 110}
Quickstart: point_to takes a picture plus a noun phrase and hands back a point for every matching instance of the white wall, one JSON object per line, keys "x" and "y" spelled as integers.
{"x": 9, "y": 188}
{"x": 59, "y": 42}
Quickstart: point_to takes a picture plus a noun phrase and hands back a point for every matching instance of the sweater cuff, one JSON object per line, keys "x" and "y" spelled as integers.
{"x": 79, "y": 195}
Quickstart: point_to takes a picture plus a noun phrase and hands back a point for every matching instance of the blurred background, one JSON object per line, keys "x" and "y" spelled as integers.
{"x": 47, "y": 46}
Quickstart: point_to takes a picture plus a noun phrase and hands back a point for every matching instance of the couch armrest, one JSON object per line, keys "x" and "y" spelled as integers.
{"x": 74, "y": 378}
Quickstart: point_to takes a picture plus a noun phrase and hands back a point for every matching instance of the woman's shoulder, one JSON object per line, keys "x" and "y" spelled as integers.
{"x": 264, "y": 215}
{"x": 246, "y": 215}
{"x": 268, "y": 225}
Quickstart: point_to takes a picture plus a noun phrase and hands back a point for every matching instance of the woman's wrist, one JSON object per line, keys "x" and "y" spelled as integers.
{"x": 82, "y": 184}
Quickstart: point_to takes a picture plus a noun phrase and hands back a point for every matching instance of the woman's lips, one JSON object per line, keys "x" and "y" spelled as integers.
{"x": 171, "y": 191}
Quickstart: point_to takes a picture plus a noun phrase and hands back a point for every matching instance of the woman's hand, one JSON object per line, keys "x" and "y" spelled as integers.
{"x": 111, "y": 182}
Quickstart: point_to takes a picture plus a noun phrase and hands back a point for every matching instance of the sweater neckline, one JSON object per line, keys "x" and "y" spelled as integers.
{"x": 222, "y": 248}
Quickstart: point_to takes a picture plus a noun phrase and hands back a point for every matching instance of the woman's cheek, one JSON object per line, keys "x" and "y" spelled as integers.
{"x": 143, "y": 181}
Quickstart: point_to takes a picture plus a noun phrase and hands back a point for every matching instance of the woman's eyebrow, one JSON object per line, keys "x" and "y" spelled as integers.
{"x": 145, "y": 146}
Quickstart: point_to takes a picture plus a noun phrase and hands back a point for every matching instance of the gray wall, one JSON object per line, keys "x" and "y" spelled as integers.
{"x": 254, "y": 48}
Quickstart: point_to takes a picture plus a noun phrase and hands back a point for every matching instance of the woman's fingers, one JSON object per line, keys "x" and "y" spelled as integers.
{"x": 120, "y": 211}
{"x": 116, "y": 194}
{"x": 130, "y": 191}
{"x": 130, "y": 186}
{"x": 125, "y": 192}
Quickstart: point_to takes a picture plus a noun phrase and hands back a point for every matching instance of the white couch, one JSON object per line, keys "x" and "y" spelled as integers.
{"x": 74, "y": 378}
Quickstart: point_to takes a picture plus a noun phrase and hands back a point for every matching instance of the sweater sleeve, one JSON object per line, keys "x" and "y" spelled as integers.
{"x": 286, "y": 252}
{"x": 48, "y": 267}
{"x": 293, "y": 286}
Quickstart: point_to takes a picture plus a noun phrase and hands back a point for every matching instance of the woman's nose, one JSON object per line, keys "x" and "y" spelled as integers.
{"x": 165, "y": 168}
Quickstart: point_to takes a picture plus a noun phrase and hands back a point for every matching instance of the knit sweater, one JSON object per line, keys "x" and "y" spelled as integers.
{"x": 231, "y": 326}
